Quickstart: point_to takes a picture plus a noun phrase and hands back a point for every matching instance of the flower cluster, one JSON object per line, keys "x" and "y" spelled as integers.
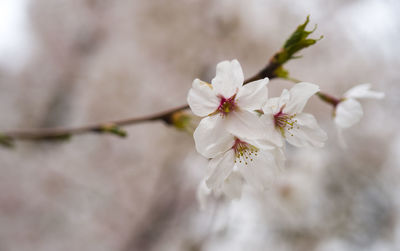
{"x": 243, "y": 131}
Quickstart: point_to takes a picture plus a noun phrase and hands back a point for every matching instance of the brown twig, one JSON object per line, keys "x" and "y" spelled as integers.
{"x": 267, "y": 72}
{"x": 297, "y": 41}
{"x": 113, "y": 127}
{"x": 62, "y": 132}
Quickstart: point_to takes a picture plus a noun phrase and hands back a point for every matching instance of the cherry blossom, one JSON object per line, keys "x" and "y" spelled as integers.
{"x": 227, "y": 104}
{"x": 256, "y": 163}
{"x": 284, "y": 118}
{"x": 348, "y": 111}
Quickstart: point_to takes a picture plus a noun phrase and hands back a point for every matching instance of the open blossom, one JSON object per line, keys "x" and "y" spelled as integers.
{"x": 284, "y": 118}
{"x": 227, "y": 105}
{"x": 241, "y": 160}
{"x": 348, "y": 110}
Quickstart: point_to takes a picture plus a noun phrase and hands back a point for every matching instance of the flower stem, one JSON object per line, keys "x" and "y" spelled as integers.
{"x": 322, "y": 95}
{"x": 328, "y": 98}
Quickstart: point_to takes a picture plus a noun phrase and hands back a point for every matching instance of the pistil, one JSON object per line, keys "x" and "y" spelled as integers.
{"x": 226, "y": 105}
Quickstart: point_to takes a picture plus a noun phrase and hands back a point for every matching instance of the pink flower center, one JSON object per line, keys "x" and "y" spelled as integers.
{"x": 244, "y": 151}
{"x": 226, "y": 105}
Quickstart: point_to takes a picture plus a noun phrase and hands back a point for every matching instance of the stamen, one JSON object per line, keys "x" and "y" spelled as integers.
{"x": 284, "y": 121}
{"x": 244, "y": 151}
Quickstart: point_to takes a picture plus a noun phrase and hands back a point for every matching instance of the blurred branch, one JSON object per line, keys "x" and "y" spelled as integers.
{"x": 297, "y": 41}
{"x": 112, "y": 127}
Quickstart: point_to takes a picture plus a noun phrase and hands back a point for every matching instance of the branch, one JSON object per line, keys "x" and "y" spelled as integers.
{"x": 267, "y": 72}
{"x": 297, "y": 41}
{"x": 112, "y": 127}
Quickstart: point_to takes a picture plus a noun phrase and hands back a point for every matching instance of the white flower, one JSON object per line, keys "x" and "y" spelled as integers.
{"x": 243, "y": 160}
{"x": 231, "y": 188}
{"x": 349, "y": 111}
{"x": 228, "y": 105}
{"x": 284, "y": 118}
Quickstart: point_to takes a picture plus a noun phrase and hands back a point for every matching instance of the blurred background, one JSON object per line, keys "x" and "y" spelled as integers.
{"x": 72, "y": 62}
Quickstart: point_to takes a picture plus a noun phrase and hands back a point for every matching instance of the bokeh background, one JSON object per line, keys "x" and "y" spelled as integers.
{"x": 71, "y": 62}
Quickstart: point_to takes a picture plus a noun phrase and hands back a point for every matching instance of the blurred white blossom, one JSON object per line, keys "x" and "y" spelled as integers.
{"x": 349, "y": 111}
{"x": 231, "y": 188}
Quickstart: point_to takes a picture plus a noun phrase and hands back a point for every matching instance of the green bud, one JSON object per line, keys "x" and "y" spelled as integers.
{"x": 183, "y": 121}
{"x": 6, "y": 141}
{"x": 297, "y": 41}
{"x": 281, "y": 72}
{"x": 113, "y": 129}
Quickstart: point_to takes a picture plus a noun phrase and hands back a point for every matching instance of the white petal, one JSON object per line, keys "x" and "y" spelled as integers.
{"x": 244, "y": 124}
{"x": 348, "y": 113}
{"x": 211, "y": 137}
{"x": 263, "y": 144}
{"x": 341, "y": 139}
{"x": 272, "y": 104}
{"x": 306, "y": 132}
{"x": 280, "y": 158}
{"x": 278, "y": 152}
{"x": 233, "y": 185}
{"x": 282, "y": 100}
{"x": 221, "y": 167}
{"x": 253, "y": 95}
{"x": 229, "y": 78}
{"x": 299, "y": 95}
{"x": 201, "y": 98}
{"x": 260, "y": 172}
{"x": 363, "y": 91}
{"x": 203, "y": 195}
{"x": 270, "y": 133}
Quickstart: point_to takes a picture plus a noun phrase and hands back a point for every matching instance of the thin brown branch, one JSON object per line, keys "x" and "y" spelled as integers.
{"x": 62, "y": 132}
{"x": 297, "y": 41}
{"x": 267, "y": 72}
{"x": 111, "y": 126}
